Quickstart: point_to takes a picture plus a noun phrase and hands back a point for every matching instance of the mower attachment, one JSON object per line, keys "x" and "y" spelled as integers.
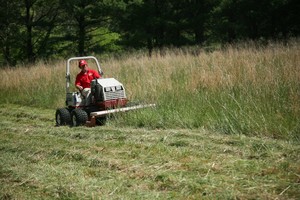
{"x": 94, "y": 115}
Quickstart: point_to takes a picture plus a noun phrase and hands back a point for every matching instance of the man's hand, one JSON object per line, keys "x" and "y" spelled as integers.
{"x": 79, "y": 87}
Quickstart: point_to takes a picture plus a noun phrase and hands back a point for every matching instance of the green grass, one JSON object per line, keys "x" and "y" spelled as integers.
{"x": 41, "y": 161}
{"x": 226, "y": 126}
{"x": 242, "y": 89}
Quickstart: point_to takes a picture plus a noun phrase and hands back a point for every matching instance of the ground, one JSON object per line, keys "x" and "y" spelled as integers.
{"x": 41, "y": 161}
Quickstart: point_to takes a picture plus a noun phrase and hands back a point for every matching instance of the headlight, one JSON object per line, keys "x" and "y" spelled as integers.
{"x": 118, "y": 87}
{"x": 107, "y": 89}
{"x": 113, "y": 88}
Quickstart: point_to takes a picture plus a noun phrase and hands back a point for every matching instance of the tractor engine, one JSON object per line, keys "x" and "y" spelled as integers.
{"x": 108, "y": 93}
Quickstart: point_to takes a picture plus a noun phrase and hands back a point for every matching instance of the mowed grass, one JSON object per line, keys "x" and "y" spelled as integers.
{"x": 41, "y": 161}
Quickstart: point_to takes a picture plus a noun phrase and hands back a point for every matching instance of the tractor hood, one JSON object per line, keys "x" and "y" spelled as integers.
{"x": 108, "y": 82}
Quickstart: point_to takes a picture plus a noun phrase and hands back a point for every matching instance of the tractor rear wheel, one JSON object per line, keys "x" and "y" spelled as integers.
{"x": 62, "y": 117}
{"x": 79, "y": 117}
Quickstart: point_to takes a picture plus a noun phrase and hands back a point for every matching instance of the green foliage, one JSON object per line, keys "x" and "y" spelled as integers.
{"x": 45, "y": 29}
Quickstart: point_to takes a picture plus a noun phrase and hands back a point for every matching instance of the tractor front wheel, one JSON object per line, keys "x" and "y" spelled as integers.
{"x": 79, "y": 117}
{"x": 62, "y": 117}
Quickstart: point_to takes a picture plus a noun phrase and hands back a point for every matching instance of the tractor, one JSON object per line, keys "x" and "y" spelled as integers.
{"x": 107, "y": 96}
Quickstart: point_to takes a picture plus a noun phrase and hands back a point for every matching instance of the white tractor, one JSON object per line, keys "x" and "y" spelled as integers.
{"x": 107, "y": 96}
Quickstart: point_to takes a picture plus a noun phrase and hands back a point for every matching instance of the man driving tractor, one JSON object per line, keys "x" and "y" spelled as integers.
{"x": 84, "y": 78}
{"x": 108, "y": 96}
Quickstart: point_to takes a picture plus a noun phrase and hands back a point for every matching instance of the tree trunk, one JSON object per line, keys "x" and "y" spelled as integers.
{"x": 81, "y": 36}
{"x": 28, "y": 21}
{"x": 81, "y": 29}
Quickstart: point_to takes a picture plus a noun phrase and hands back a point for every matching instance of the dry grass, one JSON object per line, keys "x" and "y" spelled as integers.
{"x": 243, "y": 88}
{"x": 226, "y": 68}
{"x": 252, "y": 69}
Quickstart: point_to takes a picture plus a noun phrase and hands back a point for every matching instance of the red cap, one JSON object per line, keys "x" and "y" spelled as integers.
{"x": 82, "y": 63}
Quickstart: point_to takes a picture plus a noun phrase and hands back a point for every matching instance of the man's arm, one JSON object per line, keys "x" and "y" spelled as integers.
{"x": 96, "y": 74}
{"x": 78, "y": 84}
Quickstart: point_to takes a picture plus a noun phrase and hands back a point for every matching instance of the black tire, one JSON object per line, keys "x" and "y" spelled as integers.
{"x": 79, "y": 117}
{"x": 62, "y": 117}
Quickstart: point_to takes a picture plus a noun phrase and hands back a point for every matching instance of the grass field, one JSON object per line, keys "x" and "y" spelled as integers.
{"x": 41, "y": 161}
{"x": 226, "y": 126}
{"x": 244, "y": 89}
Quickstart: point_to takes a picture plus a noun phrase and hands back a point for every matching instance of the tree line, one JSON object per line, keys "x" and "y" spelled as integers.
{"x": 47, "y": 29}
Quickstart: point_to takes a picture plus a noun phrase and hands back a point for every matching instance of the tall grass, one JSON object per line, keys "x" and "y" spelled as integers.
{"x": 241, "y": 89}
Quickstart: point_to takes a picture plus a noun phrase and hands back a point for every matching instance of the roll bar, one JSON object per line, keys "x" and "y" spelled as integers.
{"x": 79, "y": 58}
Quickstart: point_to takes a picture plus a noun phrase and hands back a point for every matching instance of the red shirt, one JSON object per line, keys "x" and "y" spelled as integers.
{"x": 84, "y": 78}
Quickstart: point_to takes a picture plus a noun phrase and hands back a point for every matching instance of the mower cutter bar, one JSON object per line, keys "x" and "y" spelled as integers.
{"x": 106, "y": 112}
